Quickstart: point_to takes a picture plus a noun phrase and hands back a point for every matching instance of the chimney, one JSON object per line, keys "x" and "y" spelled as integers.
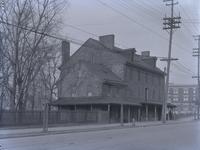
{"x": 65, "y": 51}
{"x": 107, "y": 41}
{"x": 149, "y": 59}
{"x": 145, "y": 53}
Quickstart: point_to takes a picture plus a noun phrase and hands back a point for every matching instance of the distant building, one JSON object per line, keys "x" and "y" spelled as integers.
{"x": 184, "y": 97}
{"x": 101, "y": 76}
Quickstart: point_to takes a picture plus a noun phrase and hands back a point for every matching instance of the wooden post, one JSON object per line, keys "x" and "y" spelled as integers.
{"x": 173, "y": 113}
{"x": 45, "y": 118}
{"x": 139, "y": 114}
{"x": 122, "y": 114}
{"x": 129, "y": 113}
{"x": 155, "y": 113}
{"x": 91, "y": 108}
{"x": 109, "y": 119}
{"x": 147, "y": 113}
{"x": 167, "y": 114}
{"x": 75, "y": 108}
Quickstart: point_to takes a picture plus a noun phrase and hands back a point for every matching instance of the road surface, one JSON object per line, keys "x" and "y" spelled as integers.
{"x": 185, "y": 136}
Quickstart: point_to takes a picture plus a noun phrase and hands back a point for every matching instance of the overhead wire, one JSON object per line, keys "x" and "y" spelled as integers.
{"x": 90, "y": 33}
{"x": 150, "y": 12}
{"x": 160, "y": 11}
{"x": 140, "y": 24}
{"x": 188, "y": 16}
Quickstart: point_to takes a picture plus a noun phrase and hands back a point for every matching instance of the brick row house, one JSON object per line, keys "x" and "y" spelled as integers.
{"x": 184, "y": 97}
{"x": 101, "y": 76}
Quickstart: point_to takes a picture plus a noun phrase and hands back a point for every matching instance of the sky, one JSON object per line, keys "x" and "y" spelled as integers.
{"x": 138, "y": 24}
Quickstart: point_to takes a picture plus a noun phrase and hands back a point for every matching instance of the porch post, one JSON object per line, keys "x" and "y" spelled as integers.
{"x": 155, "y": 113}
{"x": 91, "y": 108}
{"x": 173, "y": 114}
{"x": 122, "y": 114}
{"x": 139, "y": 114}
{"x": 75, "y": 109}
{"x": 147, "y": 113}
{"x": 167, "y": 113}
{"x": 109, "y": 113}
{"x": 45, "y": 118}
{"x": 129, "y": 113}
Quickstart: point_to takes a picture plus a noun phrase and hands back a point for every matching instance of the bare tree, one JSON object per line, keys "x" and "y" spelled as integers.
{"x": 45, "y": 84}
{"x": 25, "y": 49}
{"x": 49, "y": 76}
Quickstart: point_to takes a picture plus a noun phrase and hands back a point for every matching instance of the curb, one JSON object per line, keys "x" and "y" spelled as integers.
{"x": 7, "y": 136}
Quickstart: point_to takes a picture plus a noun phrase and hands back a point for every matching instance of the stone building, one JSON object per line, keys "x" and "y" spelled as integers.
{"x": 101, "y": 76}
{"x": 184, "y": 97}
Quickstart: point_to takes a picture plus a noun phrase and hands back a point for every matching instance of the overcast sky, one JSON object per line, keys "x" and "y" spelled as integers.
{"x": 138, "y": 24}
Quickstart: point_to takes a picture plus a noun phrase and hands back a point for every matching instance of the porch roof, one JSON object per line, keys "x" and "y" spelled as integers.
{"x": 171, "y": 105}
{"x": 93, "y": 100}
{"x": 158, "y": 103}
{"x": 152, "y": 102}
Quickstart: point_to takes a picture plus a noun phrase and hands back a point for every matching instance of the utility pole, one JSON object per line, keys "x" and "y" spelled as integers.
{"x": 170, "y": 23}
{"x": 2, "y": 77}
{"x": 196, "y": 53}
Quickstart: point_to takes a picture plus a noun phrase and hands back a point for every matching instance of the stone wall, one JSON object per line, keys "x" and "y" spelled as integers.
{"x": 139, "y": 79}
{"x": 79, "y": 81}
{"x": 94, "y": 52}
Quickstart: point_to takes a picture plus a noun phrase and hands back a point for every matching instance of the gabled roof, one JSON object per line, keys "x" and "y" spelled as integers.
{"x": 95, "y": 44}
{"x": 140, "y": 63}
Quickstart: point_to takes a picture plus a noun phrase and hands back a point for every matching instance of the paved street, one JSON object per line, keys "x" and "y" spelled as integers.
{"x": 185, "y": 136}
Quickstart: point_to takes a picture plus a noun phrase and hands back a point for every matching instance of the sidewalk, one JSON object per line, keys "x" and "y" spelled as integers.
{"x": 14, "y": 133}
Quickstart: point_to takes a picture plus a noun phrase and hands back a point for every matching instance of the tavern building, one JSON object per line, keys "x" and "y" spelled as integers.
{"x": 102, "y": 77}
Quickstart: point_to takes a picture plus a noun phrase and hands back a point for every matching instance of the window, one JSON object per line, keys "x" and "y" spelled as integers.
{"x": 159, "y": 81}
{"x": 175, "y": 99}
{"x": 146, "y": 77}
{"x": 175, "y": 91}
{"x": 159, "y": 95}
{"x": 194, "y": 99}
{"x": 194, "y": 91}
{"x": 185, "y": 99}
{"x": 89, "y": 94}
{"x": 154, "y": 93}
{"x": 170, "y": 91}
{"x": 130, "y": 74}
{"x": 185, "y": 91}
{"x": 146, "y": 94}
{"x": 152, "y": 79}
{"x": 138, "y": 91}
{"x": 92, "y": 58}
{"x": 106, "y": 90}
{"x": 139, "y": 75}
{"x": 73, "y": 94}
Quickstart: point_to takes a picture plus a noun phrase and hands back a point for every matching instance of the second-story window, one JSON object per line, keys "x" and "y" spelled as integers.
{"x": 146, "y": 94}
{"x": 159, "y": 81}
{"x": 130, "y": 73}
{"x": 146, "y": 77}
{"x": 138, "y": 91}
{"x": 153, "y": 94}
{"x": 139, "y": 75}
{"x": 185, "y": 91}
{"x": 152, "y": 79}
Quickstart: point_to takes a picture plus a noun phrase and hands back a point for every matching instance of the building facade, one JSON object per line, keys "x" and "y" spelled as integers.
{"x": 184, "y": 97}
{"x": 101, "y": 76}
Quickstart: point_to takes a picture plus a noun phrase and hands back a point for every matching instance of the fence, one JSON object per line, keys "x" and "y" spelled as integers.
{"x": 8, "y": 118}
